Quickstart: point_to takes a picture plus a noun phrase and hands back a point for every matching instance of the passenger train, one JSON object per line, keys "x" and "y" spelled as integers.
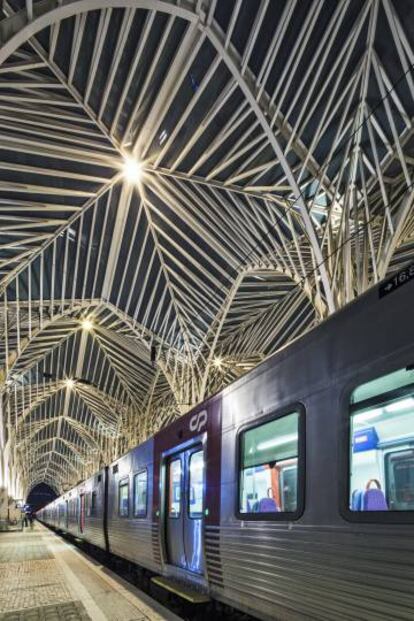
{"x": 288, "y": 495}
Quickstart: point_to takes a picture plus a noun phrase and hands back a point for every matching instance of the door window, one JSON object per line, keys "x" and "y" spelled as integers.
{"x": 123, "y": 504}
{"x": 82, "y": 513}
{"x": 399, "y": 482}
{"x": 140, "y": 494}
{"x": 381, "y": 454}
{"x": 196, "y": 485}
{"x": 93, "y": 504}
{"x": 174, "y": 491}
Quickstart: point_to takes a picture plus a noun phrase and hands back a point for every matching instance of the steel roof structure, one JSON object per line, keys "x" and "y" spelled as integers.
{"x": 272, "y": 153}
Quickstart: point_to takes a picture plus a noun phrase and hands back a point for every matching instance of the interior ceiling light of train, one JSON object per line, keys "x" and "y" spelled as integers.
{"x": 185, "y": 187}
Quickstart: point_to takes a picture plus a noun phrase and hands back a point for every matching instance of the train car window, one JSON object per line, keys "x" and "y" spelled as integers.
{"x": 196, "y": 485}
{"x": 174, "y": 488}
{"x": 123, "y": 499}
{"x": 93, "y": 504}
{"x": 382, "y": 444}
{"x": 269, "y": 457}
{"x": 72, "y": 509}
{"x": 81, "y": 502}
{"x": 140, "y": 494}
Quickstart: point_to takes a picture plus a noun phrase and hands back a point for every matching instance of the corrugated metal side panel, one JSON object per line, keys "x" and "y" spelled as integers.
{"x": 156, "y": 547}
{"x": 73, "y": 527}
{"x": 213, "y": 557}
{"x": 132, "y": 539}
{"x": 319, "y": 573}
{"x": 94, "y": 531}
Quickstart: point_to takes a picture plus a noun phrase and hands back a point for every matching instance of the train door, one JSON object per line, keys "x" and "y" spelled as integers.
{"x": 81, "y": 513}
{"x": 399, "y": 468}
{"x": 66, "y": 514}
{"x": 185, "y": 509}
{"x": 288, "y": 486}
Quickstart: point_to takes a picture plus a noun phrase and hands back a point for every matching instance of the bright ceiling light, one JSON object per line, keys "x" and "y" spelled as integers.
{"x": 292, "y": 437}
{"x": 398, "y": 406}
{"x": 69, "y": 382}
{"x": 86, "y": 324}
{"x": 218, "y": 362}
{"x": 132, "y": 170}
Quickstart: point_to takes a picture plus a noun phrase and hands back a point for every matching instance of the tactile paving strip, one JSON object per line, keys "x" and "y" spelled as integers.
{"x": 31, "y": 584}
{"x": 71, "y": 611}
{"x": 23, "y": 550}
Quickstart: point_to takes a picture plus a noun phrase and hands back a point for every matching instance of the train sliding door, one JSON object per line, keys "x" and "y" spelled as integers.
{"x": 185, "y": 509}
{"x": 399, "y": 469}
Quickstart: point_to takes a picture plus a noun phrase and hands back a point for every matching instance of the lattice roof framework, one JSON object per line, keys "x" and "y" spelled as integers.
{"x": 277, "y": 152}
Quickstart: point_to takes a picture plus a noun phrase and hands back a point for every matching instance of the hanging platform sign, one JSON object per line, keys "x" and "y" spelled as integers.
{"x": 396, "y": 281}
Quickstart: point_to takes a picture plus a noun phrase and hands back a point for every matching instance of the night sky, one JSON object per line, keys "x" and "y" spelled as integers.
{"x": 40, "y": 496}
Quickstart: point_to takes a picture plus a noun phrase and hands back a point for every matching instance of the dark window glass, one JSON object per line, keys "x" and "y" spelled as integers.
{"x": 93, "y": 503}
{"x": 140, "y": 494}
{"x": 269, "y": 466}
{"x": 123, "y": 503}
{"x": 82, "y": 513}
{"x": 381, "y": 444}
{"x": 174, "y": 492}
{"x": 196, "y": 485}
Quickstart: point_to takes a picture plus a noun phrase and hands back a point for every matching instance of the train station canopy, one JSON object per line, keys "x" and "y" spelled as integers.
{"x": 185, "y": 187}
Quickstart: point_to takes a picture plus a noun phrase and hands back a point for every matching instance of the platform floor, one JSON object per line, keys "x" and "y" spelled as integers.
{"x": 42, "y": 577}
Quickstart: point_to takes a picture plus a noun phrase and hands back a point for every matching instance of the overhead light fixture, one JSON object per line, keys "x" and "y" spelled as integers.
{"x": 163, "y": 136}
{"x": 69, "y": 382}
{"x": 132, "y": 170}
{"x": 292, "y": 437}
{"x": 398, "y": 406}
{"x": 218, "y": 362}
{"x": 71, "y": 234}
{"x": 364, "y": 416}
{"x": 86, "y": 324}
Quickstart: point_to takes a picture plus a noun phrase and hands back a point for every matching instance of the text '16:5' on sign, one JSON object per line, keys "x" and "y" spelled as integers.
{"x": 399, "y": 279}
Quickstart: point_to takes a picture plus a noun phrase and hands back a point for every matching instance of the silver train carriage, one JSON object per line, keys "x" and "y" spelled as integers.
{"x": 289, "y": 495}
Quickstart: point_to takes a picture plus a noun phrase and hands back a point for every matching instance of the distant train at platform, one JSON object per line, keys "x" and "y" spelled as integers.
{"x": 288, "y": 495}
